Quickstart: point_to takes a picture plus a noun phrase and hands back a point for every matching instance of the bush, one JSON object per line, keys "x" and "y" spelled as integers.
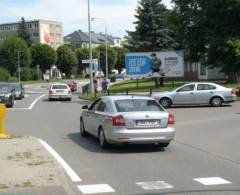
{"x": 4, "y": 75}
{"x": 29, "y": 74}
{"x": 13, "y": 79}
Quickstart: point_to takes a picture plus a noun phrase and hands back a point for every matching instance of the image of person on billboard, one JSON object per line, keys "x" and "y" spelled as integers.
{"x": 156, "y": 63}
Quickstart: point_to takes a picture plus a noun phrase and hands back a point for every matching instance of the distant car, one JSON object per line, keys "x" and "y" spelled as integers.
{"x": 127, "y": 120}
{"x": 6, "y": 95}
{"x": 60, "y": 91}
{"x": 72, "y": 85}
{"x": 197, "y": 94}
{"x": 18, "y": 90}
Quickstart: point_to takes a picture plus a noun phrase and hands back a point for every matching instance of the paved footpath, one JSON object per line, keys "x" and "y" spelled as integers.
{"x": 28, "y": 168}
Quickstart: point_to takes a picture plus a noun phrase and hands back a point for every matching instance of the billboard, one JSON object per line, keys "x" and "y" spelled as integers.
{"x": 155, "y": 64}
{"x": 45, "y": 34}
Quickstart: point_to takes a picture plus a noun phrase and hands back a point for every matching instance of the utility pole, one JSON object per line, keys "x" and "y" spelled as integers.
{"x": 19, "y": 68}
{"x": 38, "y": 73}
{"x": 90, "y": 47}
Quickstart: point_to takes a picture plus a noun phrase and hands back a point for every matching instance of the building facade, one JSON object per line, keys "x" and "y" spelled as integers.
{"x": 41, "y": 31}
{"x": 81, "y": 39}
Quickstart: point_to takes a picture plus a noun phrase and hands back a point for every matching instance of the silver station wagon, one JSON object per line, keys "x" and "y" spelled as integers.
{"x": 127, "y": 120}
{"x": 197, "y": 94}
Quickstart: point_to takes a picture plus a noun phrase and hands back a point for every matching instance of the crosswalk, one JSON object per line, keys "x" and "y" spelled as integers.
{"x": 151, "y": 186}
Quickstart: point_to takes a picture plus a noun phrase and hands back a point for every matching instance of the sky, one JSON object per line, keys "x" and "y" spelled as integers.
{"x": 118, "y": 14}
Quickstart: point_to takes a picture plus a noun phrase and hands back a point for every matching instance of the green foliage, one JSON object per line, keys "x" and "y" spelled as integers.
{"x": 4, "y": 75}
{"x": 29, "y": 74}
{"x": 66, "y": 58}
{"x": 9, "y": 50}
{"x": 83, "y": 54}
{"x": 204, "y": 29}
{"x": 152, "y": 31}
{"x": 24, "y": 33}
{"x": 43, "y": 55}
{"x": 121, "y": 52}
{"x": 112, "y": 57}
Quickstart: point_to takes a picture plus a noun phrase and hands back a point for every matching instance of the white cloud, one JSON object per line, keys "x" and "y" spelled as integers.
{"x": 73, "y": 13}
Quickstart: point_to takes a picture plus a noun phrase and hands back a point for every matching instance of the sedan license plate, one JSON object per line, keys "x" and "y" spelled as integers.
{"x": 148, "y": 123}
{"x": 60, "y": 91}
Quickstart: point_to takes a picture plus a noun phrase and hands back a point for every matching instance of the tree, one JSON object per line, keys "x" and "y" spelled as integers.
{"x": 43, "y": 55}
{"x": 24, "y": 33}
{"x": 9, "y": 51}
{"x": 112, "y": 58}
{"x": 121, "y": 52}
{"x": 205, "y": 27}
{"x": 152, "y": 32}
{"x": 66, "y": 59}
{"x": 4, "y": 75}
{"x": 83, "y": 54}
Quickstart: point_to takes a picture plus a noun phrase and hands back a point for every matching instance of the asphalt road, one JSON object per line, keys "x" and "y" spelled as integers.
{"x": 206, "y": 146}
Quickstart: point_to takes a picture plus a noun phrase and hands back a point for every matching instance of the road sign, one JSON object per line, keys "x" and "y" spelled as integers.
{"x": 94, "y": 61}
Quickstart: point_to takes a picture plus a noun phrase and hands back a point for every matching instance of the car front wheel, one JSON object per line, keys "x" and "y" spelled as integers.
{"x": 83, "y": 133}
{"x": 165, "y": 102}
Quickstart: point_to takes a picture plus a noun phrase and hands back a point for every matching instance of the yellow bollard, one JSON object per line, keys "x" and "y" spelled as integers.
{"x": 2, "y": 118}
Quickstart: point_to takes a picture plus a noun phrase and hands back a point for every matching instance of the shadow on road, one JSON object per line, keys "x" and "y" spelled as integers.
{"x": 90, "y": 143}
{"x": 199, "y": 106}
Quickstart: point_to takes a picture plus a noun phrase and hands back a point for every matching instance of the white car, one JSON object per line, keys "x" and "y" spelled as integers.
{"x": 60, "y": 91}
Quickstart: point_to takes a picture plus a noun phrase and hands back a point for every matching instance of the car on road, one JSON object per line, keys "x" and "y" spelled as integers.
{"x": 72, "y": 85}
{"x": 127, "y": 120}
{"x": 59, "y": 91}
{"x": 197, "y": 94}
{"x": 6, "y": 95}
{"x": 18, "y": 90}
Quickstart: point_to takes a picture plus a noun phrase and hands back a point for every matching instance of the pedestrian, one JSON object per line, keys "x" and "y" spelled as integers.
{"x": 104, "y": 85}
{"x": 95, "y": 85}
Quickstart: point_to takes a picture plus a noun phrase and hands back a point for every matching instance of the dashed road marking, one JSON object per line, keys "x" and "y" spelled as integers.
{"x": 95, "y": 189}
{"x": 71, "y": 173}
{"x": 154, "y": 185}
{"x": 212, "y": 181}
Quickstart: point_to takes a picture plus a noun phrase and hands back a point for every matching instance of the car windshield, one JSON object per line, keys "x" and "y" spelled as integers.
{"x": 59, "y": 87}
{"x": 137, "y": 105}
{"x": 16, "y": 87}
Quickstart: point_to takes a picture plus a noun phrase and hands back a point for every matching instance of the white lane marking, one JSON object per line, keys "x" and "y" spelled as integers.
{"x": 94, "y": 189}
{"x": 212, "y": 181}
{"x": 154, "y": 185}
{"x": 71, "y": 173}
{"x": 35, "y": 101}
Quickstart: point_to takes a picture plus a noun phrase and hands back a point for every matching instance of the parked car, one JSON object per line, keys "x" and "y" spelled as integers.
{"x": 72, "y": 85}
{"x": 60, "y": 91}
{"x": 6, "y": 95}
{"x": 19, "y": 91}
{"x": 197, "y": 94}
{"x": 127, "y": 120}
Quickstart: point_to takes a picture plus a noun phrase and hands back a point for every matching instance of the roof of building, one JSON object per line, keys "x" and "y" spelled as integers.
{"x": 83, "y": 37}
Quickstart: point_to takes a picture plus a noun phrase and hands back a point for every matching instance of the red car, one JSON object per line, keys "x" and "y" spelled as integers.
{"x": 72, "y": 85}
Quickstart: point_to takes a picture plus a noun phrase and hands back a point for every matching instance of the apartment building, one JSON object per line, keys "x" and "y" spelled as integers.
{"x": 42, "y": 31}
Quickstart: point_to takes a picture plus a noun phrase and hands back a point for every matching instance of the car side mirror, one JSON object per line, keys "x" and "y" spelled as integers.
{"x": 85, "y": 107}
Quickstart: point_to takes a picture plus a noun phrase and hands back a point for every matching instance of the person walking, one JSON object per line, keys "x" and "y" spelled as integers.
{"x": 104, "y": 85}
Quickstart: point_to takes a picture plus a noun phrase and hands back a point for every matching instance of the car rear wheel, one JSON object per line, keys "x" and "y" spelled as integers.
{"x": 102, "y": 139}
{"x": 216, "y": 101}
{"x": 83, "y": 133}
{"x": 165, "y": 102}
{"x": 163, "y": 145}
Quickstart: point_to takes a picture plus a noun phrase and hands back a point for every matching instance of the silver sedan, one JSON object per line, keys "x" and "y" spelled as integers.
{"x": 197, "y": 94}
{"x": 127, "y": 120}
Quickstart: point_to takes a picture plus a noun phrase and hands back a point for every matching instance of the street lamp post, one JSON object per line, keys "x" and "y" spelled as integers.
{"x": 106, "y": 43}
{"x": 19, "y": 68}
{"x": 90, "y": 47}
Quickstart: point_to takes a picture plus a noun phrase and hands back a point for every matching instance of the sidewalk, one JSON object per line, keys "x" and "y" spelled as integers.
{"x": 27, "y": 168}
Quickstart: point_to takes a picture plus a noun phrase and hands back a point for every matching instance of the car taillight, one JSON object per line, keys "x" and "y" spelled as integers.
{"x": 171, "y": 119}
{"x": 118, "y": 120}
{"x": 50, "y": 92}
{"x": 234, "y": 91}
{"x": 69, "y": 91}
